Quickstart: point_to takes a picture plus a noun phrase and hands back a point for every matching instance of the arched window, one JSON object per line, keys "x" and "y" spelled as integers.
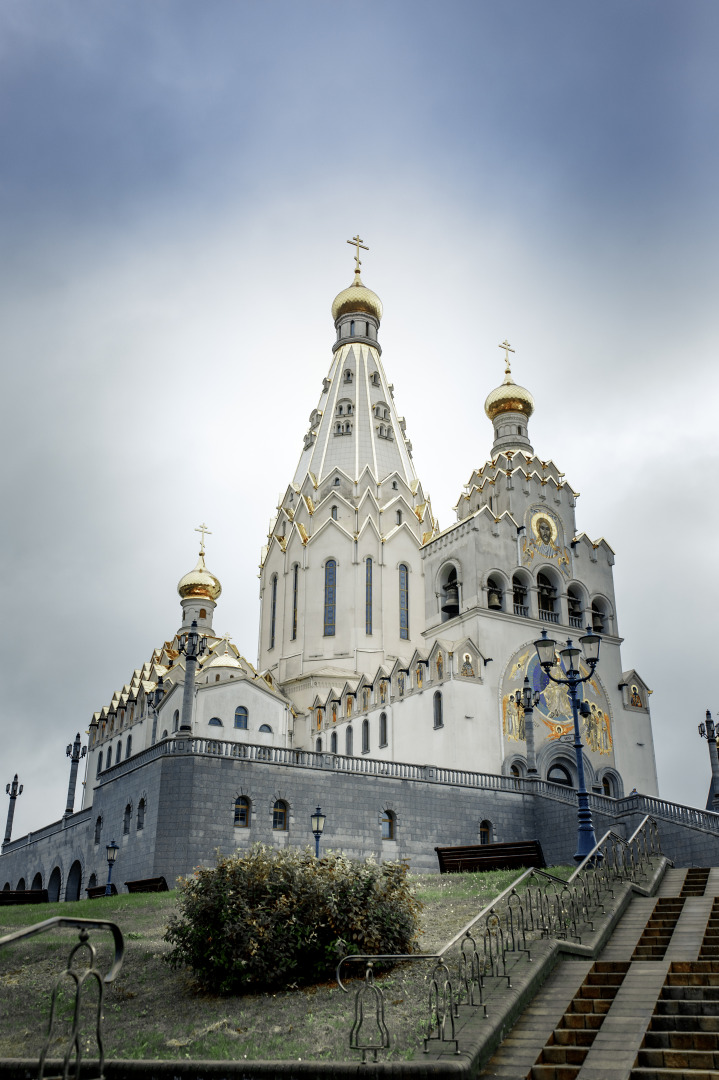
{"x": 203, "y": 613}
{"x": 127, "y": 818}
{"x": 337, "y": 481}
{"x": 333, "y": 742}
{"x": 241, "y": 715}
{"x": 438, "y": 718}
{"x": 215, "y": 721}
{"x": 514, "y": 770}
{"x": 295, "y": 589}
{"x": 279, "y": 816}
{"x": 519, "y": 596}
{"x": 334, "y": 513}
{"x": 485, "y": 832}
{"x": 559, "y": 775}
{"x": 330, "y": 596}
{"x": 389, "y": 822}
{"x": 574, "y": 607}
{"x": 383, "y": 729}
{"x": 141, "y": 815}
{"x": 368, "y": 597}
{"x": 403, "y": 601}
{"x": 607, "y": 787}
{"x": 318, "y": 746}
{"x": 394, "y": 485}
{"x": 164, "y": 735}
{"x": 273, "y": 610}
{"x": 242, "y": 812}
{"x": 365, "y": 736}
{"x": 399, "y": 517}
{"x": 348, "y": 373}
{"x": 266, "y": 728}
{"x": 450, "y": 595}
{"x": 99, "y": 764}
{"x": 98, "y": 829}
{"x": 495, "y": 595}
{"x": 547, "y": 599}
{"x": 118, "y": 753}
{"x": 176, "y": 720}
{"x": 352, "y": 327}
{"x": 348, "y": 742}
{"x": 128, "y": 748}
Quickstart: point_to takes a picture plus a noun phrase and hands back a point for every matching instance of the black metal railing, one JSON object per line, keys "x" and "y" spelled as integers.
{"x": 536, "y": 905}
{"x": 78, "y": 978}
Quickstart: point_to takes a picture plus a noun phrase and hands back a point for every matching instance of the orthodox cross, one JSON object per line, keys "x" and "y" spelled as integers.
{"x": 507, "y": 350}
{"x": 203, "y": 529}
{"x": 356, "y": 242}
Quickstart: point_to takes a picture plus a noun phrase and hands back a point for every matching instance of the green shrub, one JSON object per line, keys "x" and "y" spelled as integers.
{"x": 271, "y": 918}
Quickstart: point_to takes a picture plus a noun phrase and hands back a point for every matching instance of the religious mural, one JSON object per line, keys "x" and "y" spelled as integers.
{"x": 553, "y": 715}
{"x": 544, "y": 539}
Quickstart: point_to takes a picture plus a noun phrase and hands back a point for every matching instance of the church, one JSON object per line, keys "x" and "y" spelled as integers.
{"x": 392, "y": 659}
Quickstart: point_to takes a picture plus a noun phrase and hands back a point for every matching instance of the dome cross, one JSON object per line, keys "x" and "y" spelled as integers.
{"x": 357, "y": 242}
{"x": 203, "y": 529}
{"x": 507, "y": 350}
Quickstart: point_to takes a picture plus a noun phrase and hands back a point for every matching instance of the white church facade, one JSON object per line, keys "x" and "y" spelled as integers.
{"x": 390, "y": 650}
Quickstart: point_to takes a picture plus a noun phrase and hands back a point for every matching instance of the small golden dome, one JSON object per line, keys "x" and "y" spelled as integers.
{"x": 509, "y": 398}
{"x": 357, "y": 298}
{"x": 199, "y": 582}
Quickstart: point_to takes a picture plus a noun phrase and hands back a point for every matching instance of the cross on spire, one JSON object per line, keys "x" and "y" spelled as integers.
{"x": 507, "y": 350}
{"x": 357, "y": 242}
{"x": 203, "y": 529}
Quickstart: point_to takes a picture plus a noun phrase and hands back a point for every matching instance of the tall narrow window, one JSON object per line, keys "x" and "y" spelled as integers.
{"x": 383, "y": 729}
{"x": 273, "y": 611}
{"x": 295, "y": 586}
{"x": 330, "y": 596}
{"x": 368, "y": 597}
{"x": 176, "y": 720}
{"x": 241, "y": 717}
{"x": 141, "y": 815}
{"x": 365, "y": 736}
{"x": 485, "y": 832}
{"x": 99, "y": 764}
{"x": 127, "y": 818}
{"x": 348, "y": 742}
{"x": 438, "y": 720}
{"x": 334, "y": 513}
{"x": 279, "y": 816}
{"x": 352, "y": 327}
{"x": 333, "y": 742}
{"x": 128, "y": 748}
{"x": 388, "y": 825}
{"x": 242, "y": 812}
{"x": 403, "y": 601}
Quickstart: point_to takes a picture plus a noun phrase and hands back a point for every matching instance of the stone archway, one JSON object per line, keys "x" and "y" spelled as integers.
{"x": 53, "y": 886}
{"x": 74, "y": 879}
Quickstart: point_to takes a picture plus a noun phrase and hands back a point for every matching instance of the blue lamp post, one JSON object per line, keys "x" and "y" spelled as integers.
{"x": 112, "y": 850}
{"x": 570, "y": 656}
{"x": 318, "y": 824}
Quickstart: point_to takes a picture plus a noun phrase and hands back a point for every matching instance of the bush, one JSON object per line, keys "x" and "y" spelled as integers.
{"x": 269, "y": 918}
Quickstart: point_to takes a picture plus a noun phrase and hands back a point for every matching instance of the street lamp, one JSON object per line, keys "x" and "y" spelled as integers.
{"x": 708, "y": 732}
{"x": 317, "y": 821}
{"x": 193, "y": 646}
{"x": 13, "y": 790}
{"x": 75, "y": 752}
{"x": 570, "y": 657}
{"x": 112, "y": 850}
{"x": 528, "y": 700}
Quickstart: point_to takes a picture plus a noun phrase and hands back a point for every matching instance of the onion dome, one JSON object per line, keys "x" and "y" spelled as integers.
{"x": 509, "y": 398}
{"x": 199, "y": 582}
{"x": 357, "y": 298}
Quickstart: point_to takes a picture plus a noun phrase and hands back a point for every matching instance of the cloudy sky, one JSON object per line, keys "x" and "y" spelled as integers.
{"x": 177, "y": 183}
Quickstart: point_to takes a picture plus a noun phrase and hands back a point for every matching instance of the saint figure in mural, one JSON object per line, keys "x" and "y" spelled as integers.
{"x": 440, "y": 666}
{"x": 636, "y": 700}
{"x": 383, "y": 692}
{"x": 467, "y": 668}
{"x": 543, "y": 538}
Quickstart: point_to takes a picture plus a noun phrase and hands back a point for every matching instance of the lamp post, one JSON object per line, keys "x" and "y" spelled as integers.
{"x": 193, "y": 646}
{"x": 528, "y": 700}
{"x": 74, "y": 752}
{"x": 153, "y": 700}
{"x": 317, "y": 821}
{"x": 570, "y": 656}
{"x": 708, "y": 732}
{"x": 13, "y": 791}
{"x": 112, "y": 850}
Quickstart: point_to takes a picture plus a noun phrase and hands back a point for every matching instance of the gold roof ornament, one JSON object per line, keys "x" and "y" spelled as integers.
{"x": 509, "y": 397}
{"x": 357, "y": 297}
{"x": 200, "y": 582}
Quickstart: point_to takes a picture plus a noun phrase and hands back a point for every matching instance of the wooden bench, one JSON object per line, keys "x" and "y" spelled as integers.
{"x": 455, "y": 860}
{"x": 150, "y": 884}
{"x": 99, "y": 890}
{"x": 24, "y": 896}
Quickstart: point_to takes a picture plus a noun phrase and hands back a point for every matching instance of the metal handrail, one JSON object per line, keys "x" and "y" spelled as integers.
{"x": 74, "y": 1044}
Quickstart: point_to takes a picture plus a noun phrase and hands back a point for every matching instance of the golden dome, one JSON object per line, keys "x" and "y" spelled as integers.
{"x": 357, "y": 298}
{"x": 199, "y": 582}
{"x": 509, "y": 398}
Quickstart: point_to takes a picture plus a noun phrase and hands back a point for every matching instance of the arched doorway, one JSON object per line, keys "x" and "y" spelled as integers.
{"x": 37, "y": 881}
{"x": 21, "y": 885}
{"x": 558, "y": 774}
{"x": 53, "y": 886}
{"x": 72, "y": 889}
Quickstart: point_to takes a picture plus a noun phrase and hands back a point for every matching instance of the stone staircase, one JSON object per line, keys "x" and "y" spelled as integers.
{"x": 647, "y": 1008}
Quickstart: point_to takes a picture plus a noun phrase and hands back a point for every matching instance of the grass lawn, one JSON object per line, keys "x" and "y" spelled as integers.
{"x": 152, "y": 1011}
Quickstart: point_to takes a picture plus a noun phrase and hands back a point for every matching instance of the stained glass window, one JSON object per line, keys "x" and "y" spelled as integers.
{"x": 330, "y": 597}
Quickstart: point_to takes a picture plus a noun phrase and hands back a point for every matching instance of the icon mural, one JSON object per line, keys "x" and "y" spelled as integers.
{"x": 544, "y": 539}
{"x": 553, "y": 714}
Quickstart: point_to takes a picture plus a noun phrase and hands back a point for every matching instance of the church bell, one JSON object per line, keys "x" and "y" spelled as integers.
{"x": 451, "y": 599}
{"x": 494, "y": 599}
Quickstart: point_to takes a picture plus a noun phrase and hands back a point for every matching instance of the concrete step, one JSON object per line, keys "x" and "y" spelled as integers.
{"x": 678, "y": 1059}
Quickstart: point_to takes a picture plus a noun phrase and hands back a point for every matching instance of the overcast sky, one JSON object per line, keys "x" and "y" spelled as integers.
{"x": 177, "y": 183}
